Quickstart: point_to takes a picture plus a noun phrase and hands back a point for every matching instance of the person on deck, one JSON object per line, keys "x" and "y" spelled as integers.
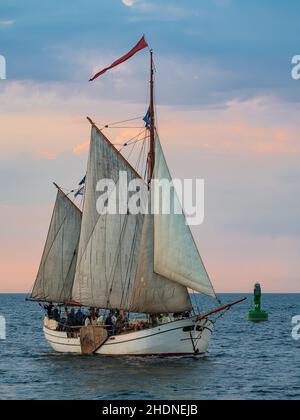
{"x": 71, "y": 320}
{"x": 110, "y": 322}
{"x": 100, "y": 320}
{"x": 153, "y": 320}
{"x": 87, "y": 321}
{"x": 93, "y": 316}
{"x": 49, "y": 308}
{"x": 79, "y": 318}
{"x": 56, "y": 315}
{"x": 178, "y": 315}
{"x": 122, "y": 322}
{"x": 166, "y": 319}
{"x": 125, "y": 319}
{"x": 94, "y": 321}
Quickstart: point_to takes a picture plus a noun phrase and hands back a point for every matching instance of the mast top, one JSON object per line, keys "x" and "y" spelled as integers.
{"x": 66, "y": 196}
{"x": 152, "y": 121}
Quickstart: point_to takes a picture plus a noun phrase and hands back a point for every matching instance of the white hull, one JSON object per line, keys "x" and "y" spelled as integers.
{"x": 180, "y": 338}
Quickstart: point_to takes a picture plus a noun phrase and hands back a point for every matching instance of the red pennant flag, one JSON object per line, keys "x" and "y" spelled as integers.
{"x": 139, "y": 46}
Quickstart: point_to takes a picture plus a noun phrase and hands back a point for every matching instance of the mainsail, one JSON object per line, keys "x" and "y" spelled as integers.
{"x": 109, "y": 243}
{"x": 55, "y": 277}
{"x": 176, "y": 255}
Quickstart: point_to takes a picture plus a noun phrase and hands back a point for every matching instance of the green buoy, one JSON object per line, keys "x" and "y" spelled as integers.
{"x": 257, "y": 315}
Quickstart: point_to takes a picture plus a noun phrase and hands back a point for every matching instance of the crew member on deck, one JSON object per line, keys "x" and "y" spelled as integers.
{"x": 49, "y": 308}
{"x": 56, "y": 315}
{"x": 165, "y": 319}
{"x": 79, "y": 317}
{"x": 153, "y": 320}
{"x": 101, "y": 320}
{"x": 71, "y": 318}
{"x": 110, "y": 322}
{"x": 87, "y": 321}
{"x": 122, "y": 322}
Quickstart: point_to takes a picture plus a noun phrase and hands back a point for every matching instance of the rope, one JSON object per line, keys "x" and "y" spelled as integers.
{"x": 122, "y": 122}
{"x": 136, "y": 128}
{"x": 221, "y": 315}
{"x": 129, "y": 142}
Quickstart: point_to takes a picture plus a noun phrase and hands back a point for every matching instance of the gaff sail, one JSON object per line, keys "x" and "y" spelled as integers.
{"x": 56, "y": 273}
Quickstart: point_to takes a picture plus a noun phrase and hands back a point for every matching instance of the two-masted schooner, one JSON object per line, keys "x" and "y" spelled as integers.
{"x": 143, "y": 264}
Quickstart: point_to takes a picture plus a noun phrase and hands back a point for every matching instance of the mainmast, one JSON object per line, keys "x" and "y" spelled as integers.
{"x": 152, "y": 121}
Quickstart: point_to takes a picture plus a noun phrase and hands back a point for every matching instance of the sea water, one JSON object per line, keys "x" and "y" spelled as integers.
{"x": 245, "y": 361}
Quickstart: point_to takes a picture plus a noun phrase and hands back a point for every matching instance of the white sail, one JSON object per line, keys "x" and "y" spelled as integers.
{"x": 109, "y": 244}
{"x": 176, "y": 255}
{"x": 57, "y": 269}
{"x": 154, "y": 293}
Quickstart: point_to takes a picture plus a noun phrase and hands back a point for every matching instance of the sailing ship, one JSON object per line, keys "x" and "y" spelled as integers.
{"x": 145, "y": 264}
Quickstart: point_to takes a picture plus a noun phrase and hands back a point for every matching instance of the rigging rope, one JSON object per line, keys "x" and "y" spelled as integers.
{"x": 120, "y": 122}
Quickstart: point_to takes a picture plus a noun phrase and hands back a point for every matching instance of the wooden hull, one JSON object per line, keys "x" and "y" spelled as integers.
{"x": 180, "y": 338}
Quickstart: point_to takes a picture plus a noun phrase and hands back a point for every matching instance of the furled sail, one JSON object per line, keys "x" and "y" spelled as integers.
{"x": 109, "y": 243}
{"x": 176, "y": 255}
{"x": 154, "y": 293}
{"x": 57, "y": 269}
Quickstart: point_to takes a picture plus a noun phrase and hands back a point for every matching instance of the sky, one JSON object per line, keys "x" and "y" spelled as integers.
{"x": 227, "y": 106}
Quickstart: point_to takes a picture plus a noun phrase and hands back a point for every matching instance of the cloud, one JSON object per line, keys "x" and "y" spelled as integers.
{"x": 81, "y": 148}
{"x": 45, "y": 155}
{"x": 128, "y": 3}
{"x": 146, "y": 12}
{"x": 6, "y": 22}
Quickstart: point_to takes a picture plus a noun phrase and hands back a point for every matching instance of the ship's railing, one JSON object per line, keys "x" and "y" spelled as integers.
{"x": 134, "y": 325}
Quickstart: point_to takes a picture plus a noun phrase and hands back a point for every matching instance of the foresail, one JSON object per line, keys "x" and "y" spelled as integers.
{"x": 109, "y": 244}
{"x": 176, "y": 255}
{"x": 57, "y": 269}
{"x": 154, "y": 293}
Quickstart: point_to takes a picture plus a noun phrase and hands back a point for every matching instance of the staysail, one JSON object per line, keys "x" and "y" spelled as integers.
{"x": 176, "y": 255}
{"x": 55, "y": 277}
{"x": 154, "y": 293}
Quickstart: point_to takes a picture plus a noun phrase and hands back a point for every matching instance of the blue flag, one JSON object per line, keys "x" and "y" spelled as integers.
{"x": 147, "y": 118}
{"x": 83, "y": 181}
{"x": 79, "y": 192}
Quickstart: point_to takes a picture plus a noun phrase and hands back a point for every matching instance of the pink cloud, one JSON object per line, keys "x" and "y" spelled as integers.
{"x": 81, "y": 148}
{"x": 45, "y": 155}
{"x": 234, "y": 137}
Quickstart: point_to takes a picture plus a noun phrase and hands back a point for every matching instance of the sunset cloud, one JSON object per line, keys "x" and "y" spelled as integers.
{"x": 81, "y": 148}
{"x": 6, "y": 22}
{"x": 128, "y": 3}
{"x": 45, "y": 155}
